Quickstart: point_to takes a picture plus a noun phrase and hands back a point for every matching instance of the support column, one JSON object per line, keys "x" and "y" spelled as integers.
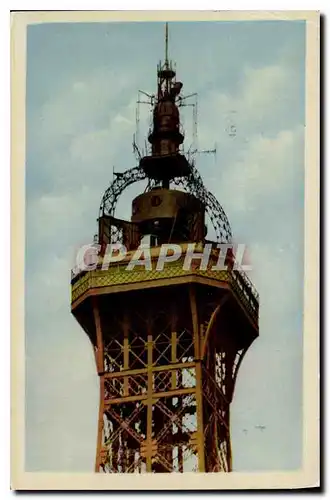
{"x": 195, "y": 325}
{"x": 99, "y": 358}
{"x": 126, "y": 353}
{"x": 173, "y": 359}
{"x": 180, "y": 450}
{"x": 149, "y": 406}
{"x": 100, "y": 427}
{"x": 198, "y": 373}
{"x": 99, "y": 355}
{"x": 229, "y": 453}
{"x": 199, "y": 415}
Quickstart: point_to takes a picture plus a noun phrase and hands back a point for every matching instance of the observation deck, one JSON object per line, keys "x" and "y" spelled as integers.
{"x": 117, "y": 278}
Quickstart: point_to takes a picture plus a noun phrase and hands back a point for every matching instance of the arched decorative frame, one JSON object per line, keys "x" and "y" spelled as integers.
{"x": 193, "y": 184}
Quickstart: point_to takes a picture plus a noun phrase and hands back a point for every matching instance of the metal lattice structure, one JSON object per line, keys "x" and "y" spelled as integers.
{"x": 168, "y": 340}
{"x": 192, "y": 184}
{"x": 167, "y": 369}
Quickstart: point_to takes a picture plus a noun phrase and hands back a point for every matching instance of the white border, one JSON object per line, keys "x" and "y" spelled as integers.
{"x": 192, "y": 481}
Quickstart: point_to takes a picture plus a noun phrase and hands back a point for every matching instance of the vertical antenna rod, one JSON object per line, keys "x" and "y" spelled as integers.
{"x": 166, "y": 44}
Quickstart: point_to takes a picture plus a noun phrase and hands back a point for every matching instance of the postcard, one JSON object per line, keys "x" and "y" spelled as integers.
{"x": 165, "y": 208}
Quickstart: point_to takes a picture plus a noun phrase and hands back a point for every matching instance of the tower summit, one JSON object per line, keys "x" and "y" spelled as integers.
{"x": 165, "y": 161}
{"x": 168, "y": 324}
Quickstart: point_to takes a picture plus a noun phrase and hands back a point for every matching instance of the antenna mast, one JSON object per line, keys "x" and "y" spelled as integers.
{"x": 166, "y": 45}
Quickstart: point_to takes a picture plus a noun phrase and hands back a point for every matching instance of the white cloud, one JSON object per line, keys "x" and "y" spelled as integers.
{"x": 264, "y": 101}
{"x": 267, "y": 167}
{"x": 263, "y": 87}
{"x": 78, "y": 108}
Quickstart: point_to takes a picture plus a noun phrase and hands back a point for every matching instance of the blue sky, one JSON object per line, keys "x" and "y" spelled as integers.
{"x": 82, "y": 83}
